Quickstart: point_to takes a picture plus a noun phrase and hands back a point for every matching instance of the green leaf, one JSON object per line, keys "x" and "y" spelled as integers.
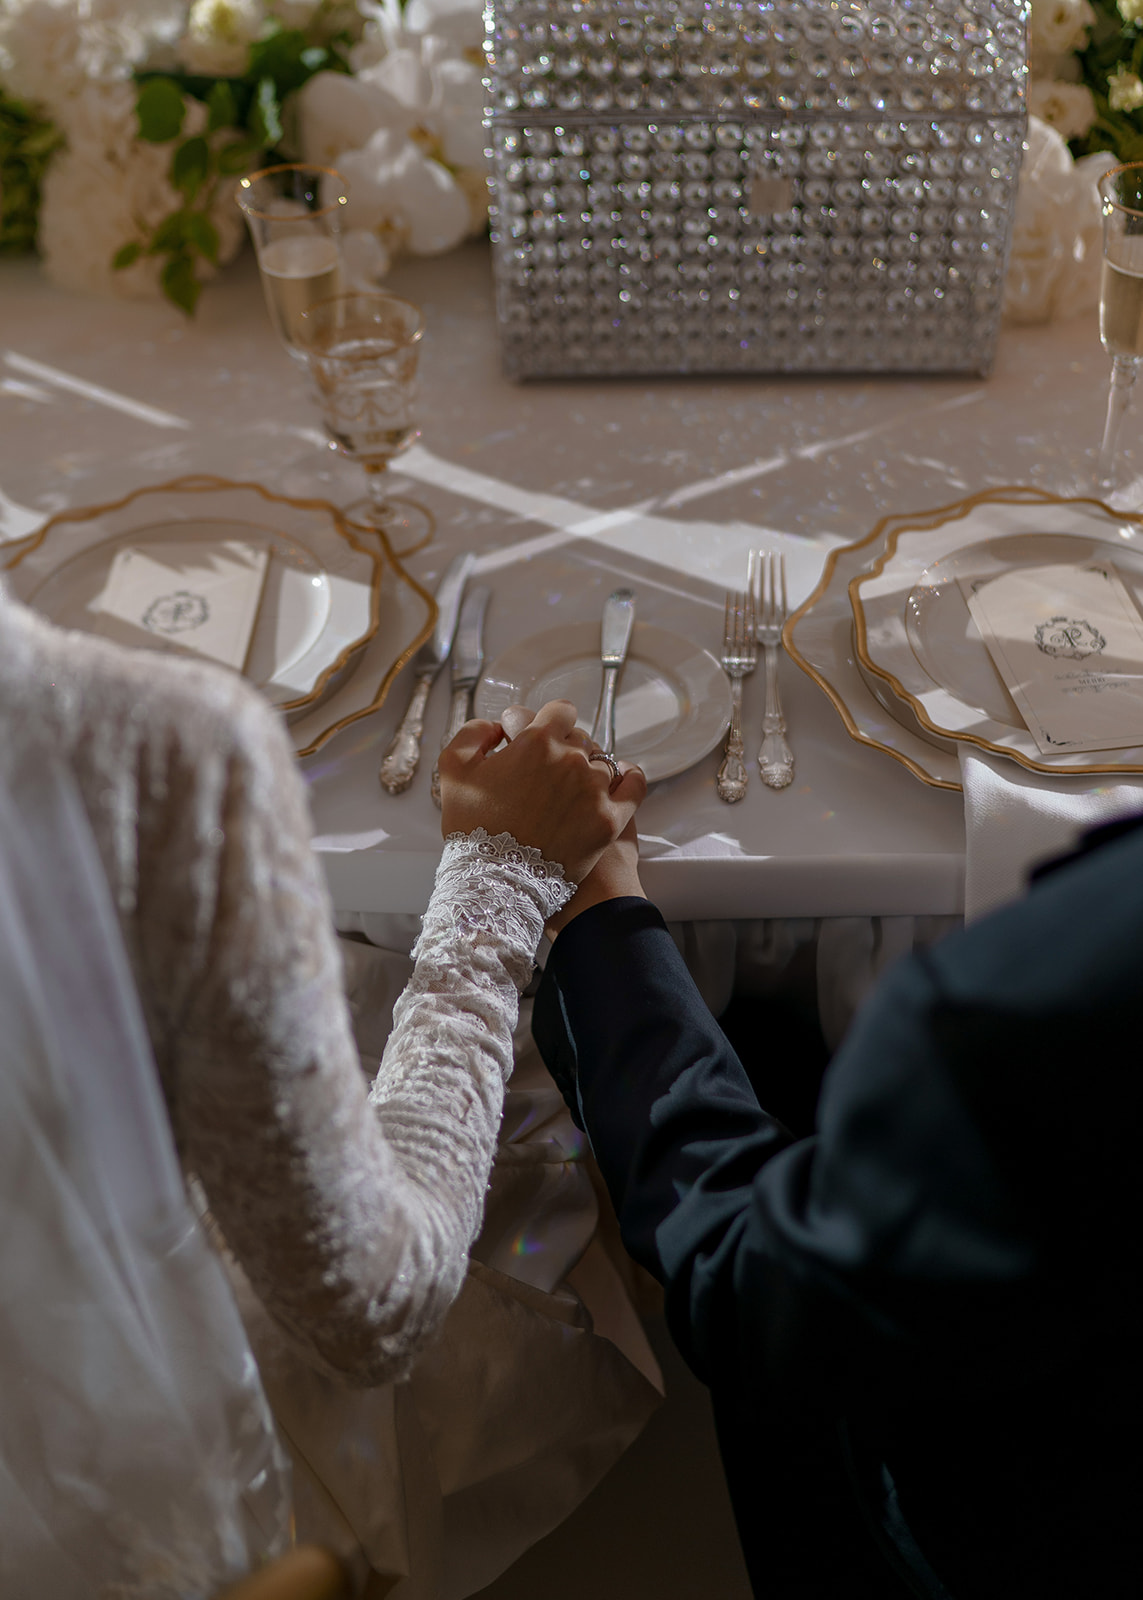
{"x": 265, "y": 121}
{"x": 171, "y": 234}
{"x": 223, "y": 107}
{"x": 281, "y": 57}
{"x": 202, "y": 234}
{"x": 127, "y": 254}
{"x": 190, "y": 165}
{"x": 180, "y": 284}
{"x": 237, "y": 157}
{"x": 160, "y": 109}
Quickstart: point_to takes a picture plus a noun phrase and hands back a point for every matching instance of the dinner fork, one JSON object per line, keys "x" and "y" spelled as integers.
{"x": 775, "y": 758}
{"x": 739, "y": 655}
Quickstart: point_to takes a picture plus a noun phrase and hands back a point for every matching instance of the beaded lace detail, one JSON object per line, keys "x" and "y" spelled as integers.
{"x": 350, "y": 1210}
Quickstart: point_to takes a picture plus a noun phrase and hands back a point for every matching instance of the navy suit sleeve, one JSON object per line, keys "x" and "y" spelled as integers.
{"x": 949, "y": 1177}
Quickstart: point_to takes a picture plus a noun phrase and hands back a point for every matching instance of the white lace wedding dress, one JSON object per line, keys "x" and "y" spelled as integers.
{"x": 350, "y": 1209}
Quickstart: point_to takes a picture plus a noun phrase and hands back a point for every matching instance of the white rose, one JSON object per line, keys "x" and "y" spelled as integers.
{"x": 395, "y": 187}
{"x": 338, "y": 113}
{"x": 1067, "y": 107}
{"x": 106, "y": 188}
{"x": 1057, "y": 27}
{"x": 219, "y": 34}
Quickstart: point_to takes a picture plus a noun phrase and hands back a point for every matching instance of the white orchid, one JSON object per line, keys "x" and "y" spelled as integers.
{"x": 396, "y": 188}
{"x": 1056, "y": 238}
{"x": 406, "y": 130}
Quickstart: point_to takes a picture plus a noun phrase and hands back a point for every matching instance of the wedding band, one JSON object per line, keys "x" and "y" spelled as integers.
{"x": 601, "y": 755}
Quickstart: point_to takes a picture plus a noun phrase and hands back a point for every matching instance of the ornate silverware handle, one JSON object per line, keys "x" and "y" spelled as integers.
{"x": 603, "y": 728}
{"x": 400, "y": 760}
{"x": 732, "y": 773}
{"x": 459, "y": 711}
{"x": 775, "y": 758}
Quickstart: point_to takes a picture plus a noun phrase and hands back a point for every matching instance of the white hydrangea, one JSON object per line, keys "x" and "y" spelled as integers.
{"x": 1057, "y": 27}
{"x": 1067, "y": 107}
{"x": 109, "y": 187}
{"x": 218, "y": 35}
{"x": 50, "y": 50}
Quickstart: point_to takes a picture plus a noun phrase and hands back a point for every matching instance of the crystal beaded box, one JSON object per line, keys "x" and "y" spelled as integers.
{"x": 754, "y": 185}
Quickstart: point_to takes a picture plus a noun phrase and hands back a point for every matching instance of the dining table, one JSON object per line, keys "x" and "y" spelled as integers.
{"x": 563, "y": 491}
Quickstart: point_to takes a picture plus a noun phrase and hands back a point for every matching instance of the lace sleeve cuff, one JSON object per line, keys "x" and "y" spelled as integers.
{"x": 472, "y": 858}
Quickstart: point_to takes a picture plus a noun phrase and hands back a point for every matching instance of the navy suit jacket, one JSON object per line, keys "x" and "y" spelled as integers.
{"x": 945, "y": 1277}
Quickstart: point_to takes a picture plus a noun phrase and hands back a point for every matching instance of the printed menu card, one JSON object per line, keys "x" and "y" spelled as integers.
{"x": 185, "y": 595}
{"x": 1068, "y": 643}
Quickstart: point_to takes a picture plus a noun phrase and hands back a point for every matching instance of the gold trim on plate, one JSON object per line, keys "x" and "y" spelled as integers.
{"x": 924, "y": 523}
{"x": 203, "y": 483}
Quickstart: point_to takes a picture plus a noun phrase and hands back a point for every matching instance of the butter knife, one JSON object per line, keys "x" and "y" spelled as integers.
{"x": 400, "y": 760}
{"x": 467, "y": 665}
{"x": 615, "y": 636}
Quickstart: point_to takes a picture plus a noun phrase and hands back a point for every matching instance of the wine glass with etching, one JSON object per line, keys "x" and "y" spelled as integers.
{"x": 294, "y": 213}
{"x": 361, "y": 353}
{"x": 1120, "y": 301}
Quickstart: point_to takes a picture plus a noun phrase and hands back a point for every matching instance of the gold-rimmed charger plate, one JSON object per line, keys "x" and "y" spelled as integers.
{"x": 371, "y": 626}
{"x": 913, "y": 630}
{"x": 819, "y": 637}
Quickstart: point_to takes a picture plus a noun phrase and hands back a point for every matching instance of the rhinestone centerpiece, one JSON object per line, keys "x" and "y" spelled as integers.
{"x": 753, "y": 185}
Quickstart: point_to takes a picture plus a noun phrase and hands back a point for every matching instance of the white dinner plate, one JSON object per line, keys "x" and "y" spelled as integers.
{"x": 914, "y": 631}
{"x": 319, "y": 602}
{"x": 673, "y": 704}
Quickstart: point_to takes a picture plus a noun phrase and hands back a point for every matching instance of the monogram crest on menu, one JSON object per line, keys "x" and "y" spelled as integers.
{"x": 1069, "y": 637}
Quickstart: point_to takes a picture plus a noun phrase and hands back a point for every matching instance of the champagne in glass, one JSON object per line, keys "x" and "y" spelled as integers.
{"x": 1121, "y": 311}
{"x": 1120, "y": 300}
{"x": 361, "y": 351}
{"x": 294, "y": 214}
{"x": 297, "y": 272}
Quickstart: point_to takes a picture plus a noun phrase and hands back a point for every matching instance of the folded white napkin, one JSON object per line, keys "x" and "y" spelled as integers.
{"x": 1014, "y": 819}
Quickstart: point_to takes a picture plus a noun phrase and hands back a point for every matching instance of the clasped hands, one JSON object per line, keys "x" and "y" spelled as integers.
{"x": 541, "y": 788}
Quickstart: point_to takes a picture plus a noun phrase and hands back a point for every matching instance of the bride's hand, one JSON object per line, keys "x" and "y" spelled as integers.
{"x": 540, "y": 788}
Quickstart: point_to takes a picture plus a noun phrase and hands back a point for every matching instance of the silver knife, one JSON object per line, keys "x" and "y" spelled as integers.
{"x": 615, "y": 636}
{"x": 467, "y": 665}
{"x": 400, "y": 760}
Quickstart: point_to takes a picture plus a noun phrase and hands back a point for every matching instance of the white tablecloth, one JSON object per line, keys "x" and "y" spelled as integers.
{"x": 559, "y": 487}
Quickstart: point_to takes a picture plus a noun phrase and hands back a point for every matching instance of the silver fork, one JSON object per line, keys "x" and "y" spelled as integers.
{"x": 739, "y": 656}
{"x": 775, "y": 758}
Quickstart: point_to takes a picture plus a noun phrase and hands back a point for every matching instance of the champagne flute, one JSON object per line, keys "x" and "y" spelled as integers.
{"x": 1120, "y": 300}
{"x": 361, "y": 353}
{"x": 294, "y": 215}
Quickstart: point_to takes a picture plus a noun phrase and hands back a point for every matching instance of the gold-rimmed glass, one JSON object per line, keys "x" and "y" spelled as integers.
{"x": 1120, "y": 300}
{"x": 294, "y": 212}
{"x": 361, "y": 351}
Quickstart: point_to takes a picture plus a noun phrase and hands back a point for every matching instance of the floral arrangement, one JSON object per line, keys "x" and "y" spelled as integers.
{"x": 124, "y": 125}
{"x": 1086, "y": 66}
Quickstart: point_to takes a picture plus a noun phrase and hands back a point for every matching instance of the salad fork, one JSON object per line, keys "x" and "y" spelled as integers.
{"x": 739, "y": 656}
{"x": 775, "y": 758}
